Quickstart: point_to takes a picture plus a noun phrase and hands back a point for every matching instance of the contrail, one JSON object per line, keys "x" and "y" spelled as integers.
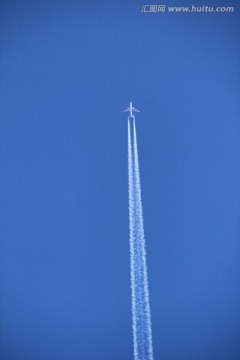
{"x": 141, "y": 317}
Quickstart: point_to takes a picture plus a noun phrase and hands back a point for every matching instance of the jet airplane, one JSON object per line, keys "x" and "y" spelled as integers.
{"x": 131, "y": 109}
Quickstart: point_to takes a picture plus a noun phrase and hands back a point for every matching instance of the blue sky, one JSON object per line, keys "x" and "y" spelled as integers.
{"x": 68, "y": 69}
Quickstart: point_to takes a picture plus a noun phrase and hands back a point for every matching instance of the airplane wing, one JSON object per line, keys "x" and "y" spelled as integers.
{"x": 126, "y": 110}
{"x": 135, "y": 110}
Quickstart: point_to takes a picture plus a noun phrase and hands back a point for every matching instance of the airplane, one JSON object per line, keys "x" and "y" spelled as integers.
{"x": 131, "y": 109}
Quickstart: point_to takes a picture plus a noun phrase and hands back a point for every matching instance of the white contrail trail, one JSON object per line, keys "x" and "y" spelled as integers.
{"x": 132, "y": 239}
{"x": 142, "y": 330}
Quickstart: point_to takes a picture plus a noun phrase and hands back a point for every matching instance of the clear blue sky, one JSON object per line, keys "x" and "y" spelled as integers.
{"x": 68, "y": 69}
